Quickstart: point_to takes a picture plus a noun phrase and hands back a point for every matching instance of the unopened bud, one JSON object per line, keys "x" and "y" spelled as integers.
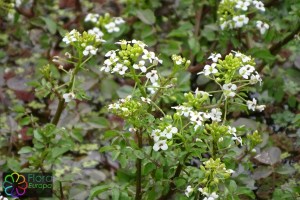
{"x": 60, "y": 67}
{"x": 68, "y": 55}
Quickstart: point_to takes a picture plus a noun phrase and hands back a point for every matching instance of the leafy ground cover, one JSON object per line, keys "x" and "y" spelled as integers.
{"x": 153, "y": 99}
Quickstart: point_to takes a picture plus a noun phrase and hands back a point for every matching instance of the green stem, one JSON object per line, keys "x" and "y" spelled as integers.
{"x": 61, "y": 104}
{"x": 138, "y": 193}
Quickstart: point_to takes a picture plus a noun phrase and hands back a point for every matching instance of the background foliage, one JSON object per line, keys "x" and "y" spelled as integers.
{"x": 31, "y": 35}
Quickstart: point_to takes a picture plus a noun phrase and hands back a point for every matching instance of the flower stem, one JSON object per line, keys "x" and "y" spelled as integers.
{"x": 61, "y": 104}
{"x": 138, "y": 193}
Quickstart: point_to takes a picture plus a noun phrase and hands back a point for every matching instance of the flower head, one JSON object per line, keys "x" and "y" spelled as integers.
{"x": 111, "y": 27}
{"x": 252, "y": 104}
{"x": 188, "y": 191}
{"x": 209, "y": 69}
{"x": 69, "y": 96}
{"x": 140, "y": 66}
{"x": 91, "y": 18}
{"x": 229, "y": 89}
{"x": 160, "y": 144}
{"x": 214, "y": 57}
{"x": 246, "y": 71}
{"x": 262, "y": 27}
{"x": 240, "y": 21}
{"x": 148, "y": 55}
{"x": 215, "y": 114}
{"x": 90, "y": 50}
{"x": 243, "y": 5}
{"x": 169, "y": 131}
{"x": 152, "y": 76}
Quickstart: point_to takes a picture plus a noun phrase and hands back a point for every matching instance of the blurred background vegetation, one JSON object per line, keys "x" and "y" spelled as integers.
{"x": 31, "y": 35}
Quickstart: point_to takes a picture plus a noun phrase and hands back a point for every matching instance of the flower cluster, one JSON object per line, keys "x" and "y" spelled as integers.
{"x": 160, "y": 137}
{"x": 233, "y": 14}
{"x": 87, "y": 42}
{"x": 133, "y": 57}
{"x": 125, "y": 107}
{"x": 106, "y": 22}
{"x": 229, "y": 72}
{"x": 208, "y": 196}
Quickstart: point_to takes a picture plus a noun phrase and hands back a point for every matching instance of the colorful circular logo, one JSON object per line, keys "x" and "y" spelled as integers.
{"x": 15, "y": 185}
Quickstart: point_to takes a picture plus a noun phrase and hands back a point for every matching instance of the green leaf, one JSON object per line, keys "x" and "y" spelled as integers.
{"x": 98, "y": 190}
{"x": 232, "y": 186}
{"x": 106, "y": 148}
{"x": 13, "y": 164}
{"x": 264, "y": 54}
{"x": 170, "y": 47}
{"x": 37, "y": 135}
{"x": 149, "y": 167}
{"x": 51, "y": 25}
{"x": 57, "y": 151}
{"x": 139, "y": 154}
{"x": 25, "y": 150}
{"x": 246, "y": 191}
{"x": 25, "y": 121}
{"x": 147, "y": 16}
{"x": 285, "y": 169}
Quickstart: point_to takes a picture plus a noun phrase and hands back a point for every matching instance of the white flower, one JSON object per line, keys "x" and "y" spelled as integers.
{"x": 111, "y": 61}
{"x": 259, "y": 5}
{"x": 106, "y": 68}
{"x": 156, "y": 134}
{"x": 161, "y": 144}
{"x": 200, "y": 94}
{"x": 183, "y": 110}
{"x": 243, "y": 5}
{"x": 71, "y": 37}
{"x": 169, "y": 131}
{"x": 69, "y": 96}
{"x": 196, "y": 117}
{"x": 90, "y": 50}
{"x": 209, "y": 69}
{"x": 148, "y": 55}
{"x": 146, "y": 100}
{"x": 240, "y": 20}
{"x": 252, "y": 104}
{"x": 121, "y": 69}
{"x": 239, "y": 139}
{"x": 231, "y": 130}
{"x": 255, "y": 78}
{"x": 96, "y": 31}
{"x": 140, "y": 43}
{"x": 91, "y": 17}
{"x": 156, "y": 60}
{"x": 215, "y": 114}
{"x": 188, "y": 191}
{"x": 211, "y": 196}
{"x": 140, "y": 66}
{"x": 119, "y": 20}
{"x": 223, "y": 25}
{"x": 260, "y": 108}
{"x": 111, "y": 53}
{"x": 246, "y": 71}
{"x": 230, "y": 171}
{"x": 262, "y": 27}
{"x": 229, "y": 90}
{"x": 152, "y": 76}
{"x": 153, "y": 88}
{"x": 111, "y": 27}
{"x": 214, "y": 57}
{"x": 242, "y": 56}
{"x": 122, "y": 42}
